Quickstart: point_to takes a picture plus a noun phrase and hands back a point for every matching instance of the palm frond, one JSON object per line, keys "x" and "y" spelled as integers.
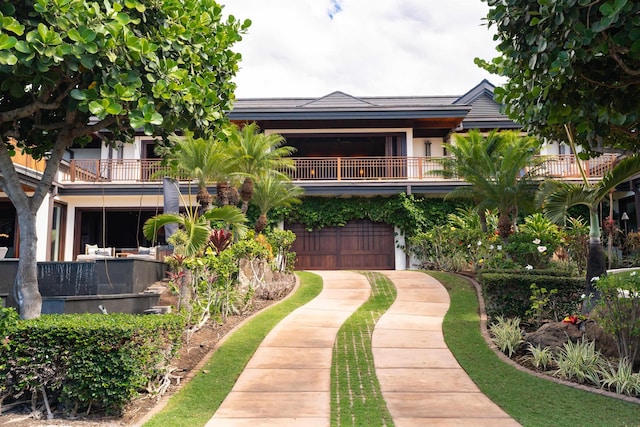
{"x": 623, "y": 171}
{"x": 231, "y": 216}
{"x": 559, "y": 197}
{"x": 154, "y": 224}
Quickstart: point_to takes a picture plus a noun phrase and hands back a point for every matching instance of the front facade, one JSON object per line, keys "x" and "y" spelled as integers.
{"x": 346, "y": 146}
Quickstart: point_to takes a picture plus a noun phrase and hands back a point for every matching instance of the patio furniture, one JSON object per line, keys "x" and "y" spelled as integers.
{"x": 93, "y": 252}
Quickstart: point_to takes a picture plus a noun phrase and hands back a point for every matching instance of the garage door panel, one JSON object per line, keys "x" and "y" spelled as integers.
{"x": 358, "y": 245}
{"x": 359, "y": 262}
{"x": 317, "y": 261}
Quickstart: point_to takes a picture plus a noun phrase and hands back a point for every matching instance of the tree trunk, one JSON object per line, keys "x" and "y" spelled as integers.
{"x": 246, "y": 193}
{"x": 596, "y": 267}
{"x": 482, "y": 214}
{"x": 204, "y": 200}
{"x": 261, "y": 223}
{"x": 186, "y": 291}
{"x": 234, "y": 196}
{"x": 222, "y": 193}
{"x": 29, "y": 298}
{"x": 504, "y": 226}
{"x": 596, "y": 264}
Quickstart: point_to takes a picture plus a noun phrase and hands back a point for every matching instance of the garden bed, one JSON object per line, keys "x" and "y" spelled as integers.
{"x": 189, "y": 360}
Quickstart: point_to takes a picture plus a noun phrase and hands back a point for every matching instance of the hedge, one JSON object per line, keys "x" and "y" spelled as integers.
{"x": 88, "y": 362}
{"x": 508, "y": 294}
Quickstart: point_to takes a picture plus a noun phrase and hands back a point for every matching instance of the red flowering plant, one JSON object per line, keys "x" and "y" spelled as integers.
{"x": 220, "y": 239}
{"x": 574, "y": 319}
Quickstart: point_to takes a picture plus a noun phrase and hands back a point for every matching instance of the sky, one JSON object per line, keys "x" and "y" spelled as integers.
{"x": 310, "y": 48}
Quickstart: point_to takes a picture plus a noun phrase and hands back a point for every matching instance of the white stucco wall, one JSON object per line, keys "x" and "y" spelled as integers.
{"x": 42, "y": 229}
{"x": 400, "y": 255}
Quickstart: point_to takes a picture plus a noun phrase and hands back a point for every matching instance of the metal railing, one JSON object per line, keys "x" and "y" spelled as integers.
{"x": 332, "y": 169}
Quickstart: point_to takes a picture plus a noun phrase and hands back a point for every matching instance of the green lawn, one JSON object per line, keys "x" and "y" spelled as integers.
{"x": 356, "y": 399}
{"x": 530, "y": 400}
{"x": 196, "y": 403}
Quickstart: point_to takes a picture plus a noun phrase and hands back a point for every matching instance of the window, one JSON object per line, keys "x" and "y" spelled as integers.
{"x": 57, "y": 232}
{"x": 427, "y": 149}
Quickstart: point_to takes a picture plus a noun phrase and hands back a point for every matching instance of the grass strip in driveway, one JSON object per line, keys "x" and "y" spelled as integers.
{"x": 530, "y": 400}
{"x": 356, "y": 399}
{"x": 196, "y": 403}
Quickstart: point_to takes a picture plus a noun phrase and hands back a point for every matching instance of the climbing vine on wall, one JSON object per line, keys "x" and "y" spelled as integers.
{"x": 411, "y": 214}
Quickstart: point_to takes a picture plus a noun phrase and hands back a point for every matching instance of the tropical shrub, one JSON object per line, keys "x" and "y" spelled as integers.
{"x": 440, "y": 249}
{"x": 576, "y": 242}
{"x": 281, "y": 242}
{"x": 542, "y": 305}
{"x": 535, "y": 242}
{"x": 91, "y": 361}
{"x": 632, "y": 248}
{"x": 619, "y": 310}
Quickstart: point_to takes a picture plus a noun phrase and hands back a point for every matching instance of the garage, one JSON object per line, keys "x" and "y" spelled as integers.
{"x": 359, "y": 245}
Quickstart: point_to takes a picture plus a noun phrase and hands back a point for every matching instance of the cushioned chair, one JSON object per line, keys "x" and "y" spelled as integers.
{"x": 93, "y": 252}
{"x": 148, "y": 254}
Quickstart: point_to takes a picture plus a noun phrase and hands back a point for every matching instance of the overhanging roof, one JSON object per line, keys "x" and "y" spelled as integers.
{"x": 475, "y": 109}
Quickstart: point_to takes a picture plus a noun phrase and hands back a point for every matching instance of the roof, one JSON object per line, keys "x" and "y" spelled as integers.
{"x": 476, "y": 108}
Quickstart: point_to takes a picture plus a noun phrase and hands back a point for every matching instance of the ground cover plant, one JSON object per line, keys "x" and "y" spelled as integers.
{"x": 356, "y": 398}
{"x": 200, "y": 398}
{"x": 532, "y": 401}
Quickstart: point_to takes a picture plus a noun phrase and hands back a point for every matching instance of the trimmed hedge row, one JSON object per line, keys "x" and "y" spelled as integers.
{"x": 508, "y": 294}
{"x": 87, "y": 362}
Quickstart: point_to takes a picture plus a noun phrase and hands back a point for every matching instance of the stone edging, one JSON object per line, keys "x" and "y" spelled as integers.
{"x": 165, "y": 399}
{"x": 485, "y": 334}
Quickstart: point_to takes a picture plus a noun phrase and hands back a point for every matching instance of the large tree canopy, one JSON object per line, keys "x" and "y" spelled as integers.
{"x": 574, "y": 62}
{"x": 69, "y": 68}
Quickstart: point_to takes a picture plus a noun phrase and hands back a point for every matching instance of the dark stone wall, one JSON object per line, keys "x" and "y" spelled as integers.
{"x": 60, "y": 281}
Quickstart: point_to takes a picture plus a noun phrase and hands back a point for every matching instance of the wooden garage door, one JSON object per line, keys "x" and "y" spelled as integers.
{"x": 359, "y": 245}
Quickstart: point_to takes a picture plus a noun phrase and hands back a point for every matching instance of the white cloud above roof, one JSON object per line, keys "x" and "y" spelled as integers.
{"x": 361, "y": 47}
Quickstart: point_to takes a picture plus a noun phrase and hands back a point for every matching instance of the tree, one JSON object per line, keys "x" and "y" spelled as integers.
{"x": 200, "y": 159}
{"x": 270, "y": 192}
{"x": 500, "y": 169}
{"x": 254, "y": 154}
{"x": 557, "y": 197}
{"x": 70, "y": 68}
{"x": 570, "y": 61}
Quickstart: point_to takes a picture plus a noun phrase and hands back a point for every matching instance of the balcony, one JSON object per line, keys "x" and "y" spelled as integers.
{"x": 330, "y": 169}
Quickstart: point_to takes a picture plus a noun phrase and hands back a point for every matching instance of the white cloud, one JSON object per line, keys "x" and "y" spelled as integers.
{"x": 362, "y": 47}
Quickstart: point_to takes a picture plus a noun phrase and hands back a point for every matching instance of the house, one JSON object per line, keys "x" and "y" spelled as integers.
{"x": 346, "y": 146}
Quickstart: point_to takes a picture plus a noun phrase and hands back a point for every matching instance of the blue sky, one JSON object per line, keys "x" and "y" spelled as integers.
{"x": 361, "y": 47}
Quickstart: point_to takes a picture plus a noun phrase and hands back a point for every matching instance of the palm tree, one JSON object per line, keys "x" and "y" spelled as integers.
{"x": 202, "y": 160}
{"x": 500, "y": 168}
{"x": 198, "y": 227}
{"x": 557, "y": 197}
{"x": 271, "y": 192}
{"x": 254, "y": 154}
